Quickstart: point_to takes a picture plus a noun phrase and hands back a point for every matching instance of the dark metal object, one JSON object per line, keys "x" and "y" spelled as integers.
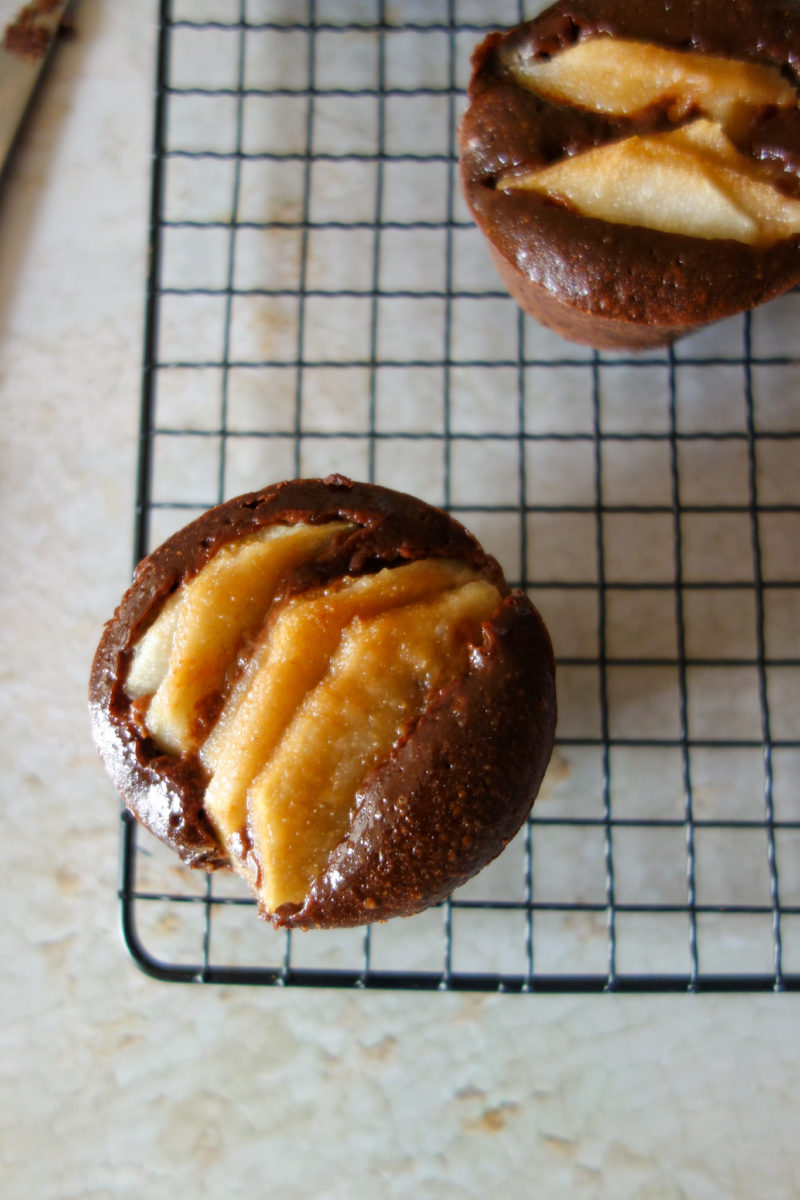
{"x": 192, "y": 930}
{"x": 22, "y": 61}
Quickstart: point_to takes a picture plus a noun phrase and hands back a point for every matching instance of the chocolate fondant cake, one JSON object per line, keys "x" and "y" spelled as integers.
{"x": 635, "y": 166}
{"x": 329, "y": 687}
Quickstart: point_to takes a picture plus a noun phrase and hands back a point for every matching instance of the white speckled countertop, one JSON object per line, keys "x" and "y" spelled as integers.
{"x": 115, "y": 1085}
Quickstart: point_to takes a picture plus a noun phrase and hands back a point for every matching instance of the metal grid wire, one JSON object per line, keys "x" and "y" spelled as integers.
{"x": 320, "y": 301}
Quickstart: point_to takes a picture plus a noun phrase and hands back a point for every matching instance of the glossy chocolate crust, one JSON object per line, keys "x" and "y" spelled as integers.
{"x": 494, "y": 727}
{"x": 615, "y": 285}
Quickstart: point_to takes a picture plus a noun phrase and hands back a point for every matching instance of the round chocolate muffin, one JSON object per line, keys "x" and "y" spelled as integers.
{"x": 329, "y": 687}
{"x": 635, "y": 167}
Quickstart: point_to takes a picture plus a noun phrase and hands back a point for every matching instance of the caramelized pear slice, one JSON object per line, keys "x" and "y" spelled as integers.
{"x": 290, "y": 661}
{"x": 621, "y": 78}
{"x": 151, "y": 656}
{"x": 691, "y": 181}
{"x": 378, "y": 683}
{"x": 217, "y": 612}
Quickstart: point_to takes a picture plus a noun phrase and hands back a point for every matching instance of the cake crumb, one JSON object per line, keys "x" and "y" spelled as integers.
{"x": 29, "y": 35}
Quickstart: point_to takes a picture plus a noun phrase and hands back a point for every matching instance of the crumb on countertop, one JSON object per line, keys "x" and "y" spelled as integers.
{"x": 29, "y": 35}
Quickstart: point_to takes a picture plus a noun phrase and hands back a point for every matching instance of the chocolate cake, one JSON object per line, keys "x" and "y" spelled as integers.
{"x": 635, "y": 167}
{"x": 329, "y": 687}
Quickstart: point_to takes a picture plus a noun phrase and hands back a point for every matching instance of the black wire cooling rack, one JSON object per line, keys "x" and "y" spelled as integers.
{"x": 319, "y": 301}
